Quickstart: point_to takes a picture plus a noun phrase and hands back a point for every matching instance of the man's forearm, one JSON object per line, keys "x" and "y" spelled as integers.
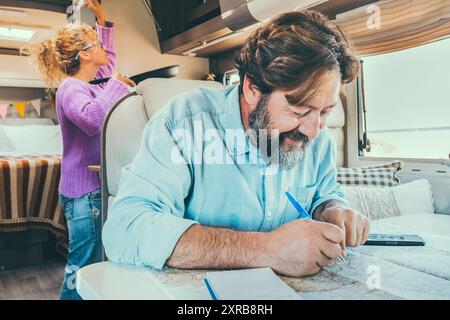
{"x": 203, "y": 247}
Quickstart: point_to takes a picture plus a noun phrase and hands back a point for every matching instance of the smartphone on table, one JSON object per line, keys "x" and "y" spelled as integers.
{"x": 394, "y": 240}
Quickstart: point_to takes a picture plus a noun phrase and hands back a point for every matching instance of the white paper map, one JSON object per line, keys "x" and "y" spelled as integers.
{"x": 369, "y": 272}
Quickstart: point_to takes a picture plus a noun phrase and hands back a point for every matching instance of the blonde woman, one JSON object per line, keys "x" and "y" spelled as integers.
{"x": 78, "y": 55}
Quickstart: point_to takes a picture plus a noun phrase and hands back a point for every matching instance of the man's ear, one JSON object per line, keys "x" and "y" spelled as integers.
{"x": 250, "y": 93}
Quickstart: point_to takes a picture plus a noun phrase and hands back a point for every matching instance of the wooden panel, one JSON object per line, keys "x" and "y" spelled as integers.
{"x": 404, "y": 24}
{"x": 333, "y": 7}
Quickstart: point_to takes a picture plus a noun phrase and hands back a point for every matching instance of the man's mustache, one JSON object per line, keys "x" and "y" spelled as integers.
{"x": 294, "y": 135}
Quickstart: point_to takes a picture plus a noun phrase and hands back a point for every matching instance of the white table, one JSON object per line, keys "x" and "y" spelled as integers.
{"x": 369, "y": 272}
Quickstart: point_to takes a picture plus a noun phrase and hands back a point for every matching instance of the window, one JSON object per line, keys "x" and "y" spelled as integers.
{"x": 407, "y": 99}
{"x": 16, "y": 34}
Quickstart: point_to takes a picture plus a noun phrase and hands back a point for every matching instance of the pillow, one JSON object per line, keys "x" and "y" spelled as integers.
{"x": 379, "y": 203}
{"x": 378, "y": 176}
{"x": 6, "y": 145}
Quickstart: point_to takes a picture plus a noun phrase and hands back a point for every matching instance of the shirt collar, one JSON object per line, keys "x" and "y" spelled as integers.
{"x": 236, "y": 139}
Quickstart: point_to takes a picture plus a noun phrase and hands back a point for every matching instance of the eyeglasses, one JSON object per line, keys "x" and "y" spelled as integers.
{"x": 87, "y": 47}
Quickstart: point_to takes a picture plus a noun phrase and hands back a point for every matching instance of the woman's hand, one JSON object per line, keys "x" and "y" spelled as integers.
{"x": 120, "y": 77}
{"x": 97, "y": 9}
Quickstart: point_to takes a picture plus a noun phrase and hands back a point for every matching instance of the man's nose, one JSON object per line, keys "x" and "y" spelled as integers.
{"x": 311, "y": 128}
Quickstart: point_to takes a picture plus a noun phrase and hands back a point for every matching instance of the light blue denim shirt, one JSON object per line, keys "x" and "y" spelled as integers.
{"x": 173, "y": 183}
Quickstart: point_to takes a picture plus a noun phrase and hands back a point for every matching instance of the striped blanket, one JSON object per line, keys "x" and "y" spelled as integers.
{"x": 29, "y": 196}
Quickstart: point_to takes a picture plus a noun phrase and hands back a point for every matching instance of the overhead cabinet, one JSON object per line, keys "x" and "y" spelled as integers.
{"x": 208, "y": 27}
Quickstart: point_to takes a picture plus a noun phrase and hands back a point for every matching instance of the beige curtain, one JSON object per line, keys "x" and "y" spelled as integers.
{"x": 392, "y": 25}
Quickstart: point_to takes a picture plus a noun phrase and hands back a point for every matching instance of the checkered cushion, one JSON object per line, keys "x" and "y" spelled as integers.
{"x": 376, "y": 176}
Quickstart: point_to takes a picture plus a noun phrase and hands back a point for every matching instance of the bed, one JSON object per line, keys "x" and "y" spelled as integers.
{"x": 30, "y": 166}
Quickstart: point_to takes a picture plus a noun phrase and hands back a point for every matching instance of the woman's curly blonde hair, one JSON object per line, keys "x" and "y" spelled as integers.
{"x": 57, "y": 58}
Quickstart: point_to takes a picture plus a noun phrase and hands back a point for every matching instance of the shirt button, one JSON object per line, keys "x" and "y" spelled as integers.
{"x": 269, "y": 214}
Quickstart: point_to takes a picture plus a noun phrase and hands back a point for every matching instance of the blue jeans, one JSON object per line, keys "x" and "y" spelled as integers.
{"x": 84, "y": 223}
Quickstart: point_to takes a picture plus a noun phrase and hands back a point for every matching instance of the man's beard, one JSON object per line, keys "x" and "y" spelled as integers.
{"x": 266, "y": 139}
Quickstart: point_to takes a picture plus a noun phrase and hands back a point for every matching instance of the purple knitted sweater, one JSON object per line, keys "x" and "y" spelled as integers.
{"x": 81, "y": 109}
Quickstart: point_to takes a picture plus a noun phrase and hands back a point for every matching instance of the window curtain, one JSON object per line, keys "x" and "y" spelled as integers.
{"x": 393, "y": 25}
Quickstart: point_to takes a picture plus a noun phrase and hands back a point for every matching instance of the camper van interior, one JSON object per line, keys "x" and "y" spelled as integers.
{"x": 132, "y": 164}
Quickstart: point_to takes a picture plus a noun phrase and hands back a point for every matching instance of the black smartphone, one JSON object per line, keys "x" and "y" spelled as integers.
{"x": 394, "y": 240}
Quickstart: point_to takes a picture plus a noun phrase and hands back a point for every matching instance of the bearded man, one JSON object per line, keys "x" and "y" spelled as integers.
{"x": 216, "y": 200}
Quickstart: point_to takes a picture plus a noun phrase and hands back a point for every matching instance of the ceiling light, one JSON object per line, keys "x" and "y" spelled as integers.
{"x": 16, "y": 34}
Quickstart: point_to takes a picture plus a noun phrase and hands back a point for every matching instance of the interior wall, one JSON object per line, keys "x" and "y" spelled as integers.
{"x": 18, "y": 71}
{"x": 138, "y": 46}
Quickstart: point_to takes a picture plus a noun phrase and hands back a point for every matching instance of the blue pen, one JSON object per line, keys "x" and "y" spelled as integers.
{"x": 301, "y": 211}
{"x": 304, "y": 215}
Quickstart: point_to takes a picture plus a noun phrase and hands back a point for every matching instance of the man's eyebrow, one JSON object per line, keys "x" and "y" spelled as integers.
{"x": 292, "y": 102}
{"x": 332, "y": 106}
{"x": 315, "y": 108}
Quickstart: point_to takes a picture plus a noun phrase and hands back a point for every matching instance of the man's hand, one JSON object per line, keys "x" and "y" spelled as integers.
{"x": 303, "y": 247}
{"x": 97, "y": 9}
{"x": 356, "y": 226}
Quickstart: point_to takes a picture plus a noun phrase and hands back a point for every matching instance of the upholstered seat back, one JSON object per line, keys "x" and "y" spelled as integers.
{"x": 122, "y": 130}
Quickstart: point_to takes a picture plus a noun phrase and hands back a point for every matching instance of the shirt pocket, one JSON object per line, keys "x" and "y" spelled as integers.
{"x": 304, "y": 196}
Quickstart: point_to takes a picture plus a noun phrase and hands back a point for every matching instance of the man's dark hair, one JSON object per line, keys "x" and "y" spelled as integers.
{"x": 293, "y": 52}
